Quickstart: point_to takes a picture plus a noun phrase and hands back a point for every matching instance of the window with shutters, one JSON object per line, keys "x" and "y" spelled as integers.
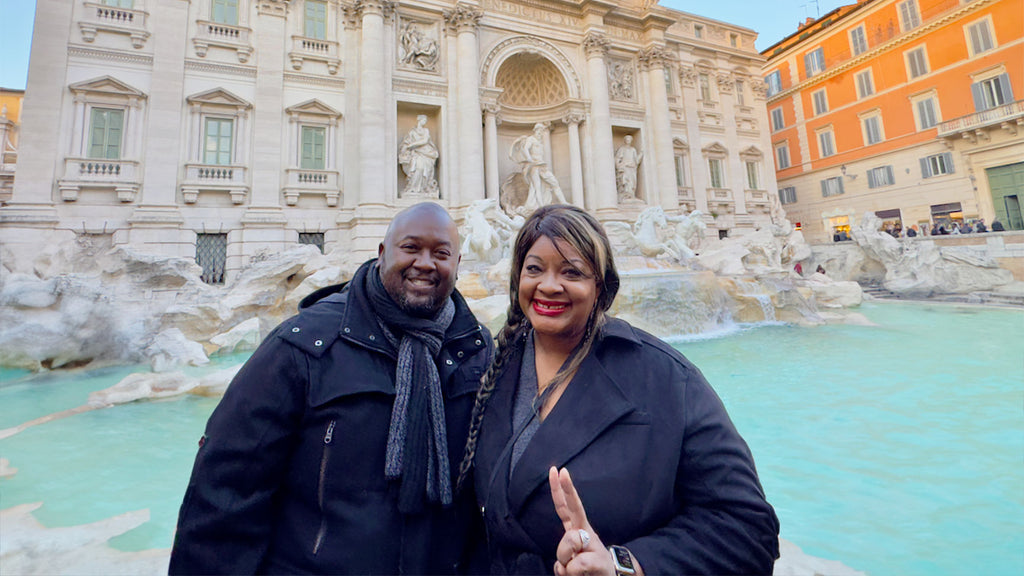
{"x": 787, "y": 195}
{"x": 105, "y": 128}
{"x": 826, "y": 143}
{"x": 753, "y": 175}
{"x": 774, "y": 82}
{"x": 716, "y": 177}
{"x": 992, "y": 92}
{"x": 871, "y": 125}
{"x": 778, "y": 119}
{"x": 316, "y": 19}
{"x": 858, "y": 41}
{"x": 782, "y": 156}
{"x": 937, "y": 165}
{"x": 917, "y": 62}
{"x": 224, "y": 12}
{"x": 218, "y": 141}
{"x": 820, "y": 99}
{"x": 313, "y": 140}
{"x": 979, "y": 37}
{"x": 865, "y": 83}
{"x": 832, "y": 186}
{"x": 910, "y": 18}
{"x": 880, "y": 176}
{"x": 926, "y": 111}
{"x": 814, "y": 62}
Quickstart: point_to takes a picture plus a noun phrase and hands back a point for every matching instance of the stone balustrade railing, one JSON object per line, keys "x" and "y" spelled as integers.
{"x": 1013, "y": 111}
{"x": 98, "y": 170}
{"x": 100, "y": 17}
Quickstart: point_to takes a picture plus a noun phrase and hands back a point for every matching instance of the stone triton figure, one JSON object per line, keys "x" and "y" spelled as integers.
{"x": 528, "y": 152}
{"x": 332, "y": 449}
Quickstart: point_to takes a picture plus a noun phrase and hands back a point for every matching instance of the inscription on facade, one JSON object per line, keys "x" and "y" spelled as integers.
{"x": 530, "y": 12}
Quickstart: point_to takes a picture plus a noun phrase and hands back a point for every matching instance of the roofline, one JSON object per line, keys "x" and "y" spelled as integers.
{"x": 856, "y": 7}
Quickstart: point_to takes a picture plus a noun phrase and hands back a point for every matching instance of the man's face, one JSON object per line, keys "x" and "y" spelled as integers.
{"x": 419, "y": 261}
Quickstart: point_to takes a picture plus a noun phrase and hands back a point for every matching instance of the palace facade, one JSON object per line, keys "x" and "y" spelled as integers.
{"x": 218, "y": 128}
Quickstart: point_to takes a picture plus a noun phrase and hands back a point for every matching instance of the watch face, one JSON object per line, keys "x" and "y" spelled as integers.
{"x": 622, "y": 557}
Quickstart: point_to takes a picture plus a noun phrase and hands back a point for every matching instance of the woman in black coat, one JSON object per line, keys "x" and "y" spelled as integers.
{"x": 661, "y": 482}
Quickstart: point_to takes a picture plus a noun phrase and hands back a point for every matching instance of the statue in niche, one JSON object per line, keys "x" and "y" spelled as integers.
{"x": 418, "y": 49}
{"x": 620, "y": 81}
{"x": 528, "y": 152}
{"x": 627, "y": 159}
{"x": 418, "y": 155}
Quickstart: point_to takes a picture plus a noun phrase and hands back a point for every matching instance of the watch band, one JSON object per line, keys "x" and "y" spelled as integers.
{"x": 622, "y": 560}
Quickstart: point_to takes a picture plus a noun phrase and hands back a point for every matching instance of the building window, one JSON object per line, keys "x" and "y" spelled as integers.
{"x": 826, "y": 143}
{"x": 926, "y": 113}
{"x": 211, "y": 255}
{"x": 119, "y": 3}
{"x": 734, "y": 40}
{"x": 910, "y": 18}
{"x": 698, "y": 31}
{"x": 105, "y": 128}
{"x": 668, "y": 79}
{"x": 992, "y": 92}
{"x": 820, "y": 100}
{"x": 774, "y": 82}
{"x": 865, "y": 84}
{"x": 217, "y": 141}
{"x": 937, "y": 165}
{"x": 312, "y": 153}
{"x": 778, "y": 119}
{"x": 717, "y": 177}
{"x": 872, "y": 126}
{"x": 741, "y": 98}
{"x": 980, "y": 35}
{"x": 316, "y": 19}
{"x": 705, "y": 86}
{"x": 787, "y": 195}
{"x": 680, "y": 162}
{"x": 753, "y": 175}
{"x": 782, "y": 156}
{"x": 814, "y": 62}
{"x": 917, "y": 62}
{"x": 858, "y": 41}
{"x": 225, "y": 12}
{"x": 881, "y": 176}
{"x": 832, "y": 186}
{"x": 313, "y": 239}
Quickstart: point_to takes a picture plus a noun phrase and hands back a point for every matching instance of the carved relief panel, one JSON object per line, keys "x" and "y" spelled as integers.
{"x": 419, "y": 45}
{"x": 621, "y": 80}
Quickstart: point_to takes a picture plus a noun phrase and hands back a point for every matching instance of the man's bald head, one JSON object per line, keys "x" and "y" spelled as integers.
{"x": 419, "y": 258}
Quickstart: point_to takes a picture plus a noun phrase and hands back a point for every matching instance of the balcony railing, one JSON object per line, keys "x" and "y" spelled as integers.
{"x": 305, "y": 48}
{"x": 318, "y": 182}
{"x": 1012, "y": 112}
{"x": 121, "y": 175}
{"x": 229, "y": 36}
{"x": 99, "y": 17}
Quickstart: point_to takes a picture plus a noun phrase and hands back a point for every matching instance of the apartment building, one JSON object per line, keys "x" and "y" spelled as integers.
{"x": 912, "y": 109}
{"x": 10, "y": 114}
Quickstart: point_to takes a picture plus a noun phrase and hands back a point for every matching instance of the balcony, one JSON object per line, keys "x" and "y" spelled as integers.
{"x": 305, "y": 48}
{"x": 312, "y": 182}
{"x": 227, "y": 36}
{"x": 719, "y": 194}
{"x": 974, "y": 127}
{"x": 757, "y": 199}
{"x": 100, "y": 18}
{"x": 121, "y": 175}
{"x": 215, "y": 178}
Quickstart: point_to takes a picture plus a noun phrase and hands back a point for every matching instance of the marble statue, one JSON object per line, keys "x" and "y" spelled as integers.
{"x": 528, "y": 152}
{"x": 627, "y": 159}
{"x": 418, "y": 155}
{"x": 418, "y": 49}
{"x": 488, "y": 232}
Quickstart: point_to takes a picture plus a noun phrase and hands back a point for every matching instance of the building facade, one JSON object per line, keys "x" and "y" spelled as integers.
{"x": 912, "y": 109}
{"x": 217, "y": 128}
{"x": 10, "y": 126}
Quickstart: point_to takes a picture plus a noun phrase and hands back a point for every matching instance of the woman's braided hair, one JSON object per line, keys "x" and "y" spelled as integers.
{"x": 583, "y": 233}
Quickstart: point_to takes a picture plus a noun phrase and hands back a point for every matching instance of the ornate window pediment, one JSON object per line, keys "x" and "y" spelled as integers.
{"x": 715, "y": 150}
{"x": 680, "y": 144}
{"x": 312, "y": 107}
{"x": 106, "y": 85}
{"x": 219, "y": 97}
{"x": 751, "y": 153}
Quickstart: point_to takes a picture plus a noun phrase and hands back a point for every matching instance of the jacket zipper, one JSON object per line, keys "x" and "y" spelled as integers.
{"x": 320, "y": 487}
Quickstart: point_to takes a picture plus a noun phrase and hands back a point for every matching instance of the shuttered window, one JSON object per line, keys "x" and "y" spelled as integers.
{"x": 820, "y": 102}
{"x": 778, "y": 119}
{"x": 858, "y": 41}
{"x": 872, "y": 130}
{"x": 910, "y": 18}
{"x": 832, "y": 186}
{"x": 926, "y": 113}
{"x": 917, "y": 62}
{"x": 787, "y": 195}
{"x": 717, "y": 179}
{"x": 753, "y": 176}
{"x": 992, "y": 92}
{"x": 937, "y": 165}
{"x": 826, "y": 144}
{"x": 880, "y": 176}
{"x": 774, "y": 82}
{"x": 981, "y": 37}
{"x": 814, "y": 62}
{"x": 782, "y": 157}
{"x": 865, "y": 85}
{"x": 105, "y": 128}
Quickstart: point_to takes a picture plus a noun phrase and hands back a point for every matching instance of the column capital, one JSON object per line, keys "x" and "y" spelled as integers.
{"x": 462, "y": 18}
{"x": 725, "y": 82}
{"x": 277, "y": 8}
{"x": 492, "y": 109}
{"x": 688, "y": 76}
{"x": 759, "y": 88}
{"x": 573, "y": 118}
{"x": 382, "y": 8}
{"x": 595, "y": 45}
{"x": 653, "y": 56}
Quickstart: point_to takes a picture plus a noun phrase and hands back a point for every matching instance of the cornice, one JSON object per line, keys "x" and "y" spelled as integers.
{"x": 197, "y": 66}
{"x": 110, "y": 55}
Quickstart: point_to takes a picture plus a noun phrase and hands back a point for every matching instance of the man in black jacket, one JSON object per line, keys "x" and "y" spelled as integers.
{"x": 332, "y": 450}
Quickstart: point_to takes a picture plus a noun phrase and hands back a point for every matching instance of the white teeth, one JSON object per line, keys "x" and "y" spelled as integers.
{"x": 551, "y": 307}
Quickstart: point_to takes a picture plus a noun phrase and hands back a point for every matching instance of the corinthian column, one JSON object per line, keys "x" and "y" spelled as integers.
{"x": 573, "y": 120}
{"x": 600, "y": 124}
{"x": 464, "y": 19}
{"x": 652, "y": 61}
{"x": 373, "y": 153}
{"x": 491, "y": 121}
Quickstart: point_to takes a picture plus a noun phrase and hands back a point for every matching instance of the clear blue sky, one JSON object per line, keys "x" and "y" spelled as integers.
{"x": 773, "y": 20}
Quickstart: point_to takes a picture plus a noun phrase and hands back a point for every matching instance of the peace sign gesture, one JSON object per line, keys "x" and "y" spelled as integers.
{"x": 580, "y": 552}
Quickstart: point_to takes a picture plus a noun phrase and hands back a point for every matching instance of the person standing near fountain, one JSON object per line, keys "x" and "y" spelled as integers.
{"x": 658, "y": 471}
{"x": 330, "y": 451}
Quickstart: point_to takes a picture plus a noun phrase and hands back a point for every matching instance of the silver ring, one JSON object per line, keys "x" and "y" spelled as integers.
{"x": 585, "y": 538}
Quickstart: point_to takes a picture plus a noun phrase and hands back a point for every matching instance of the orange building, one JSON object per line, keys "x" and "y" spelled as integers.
{"x": 10, "y": 114}
{"x": 912, "y": 109}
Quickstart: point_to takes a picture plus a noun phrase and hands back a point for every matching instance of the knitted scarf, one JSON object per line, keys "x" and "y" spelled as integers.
{"x": 417, "y": 451}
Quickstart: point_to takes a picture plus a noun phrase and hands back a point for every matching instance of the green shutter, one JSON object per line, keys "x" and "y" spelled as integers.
{"x": 105, "y": 127}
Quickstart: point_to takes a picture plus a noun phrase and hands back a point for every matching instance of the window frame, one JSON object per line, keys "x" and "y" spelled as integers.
{"x": 781, "y": 116}
{"x": 225, "y": 5}
{"x": 787, "y": 195}
{"x": 871, "y": 127}
{"x": 1000, "y": 91}
{"x": 906, "y": 26}
{"x": 782, "y": 151}
{"x": 704, "y": 87}
{"x": 819, "y": 101}
{"x": 823, "y": 134}
{"x": 698, "y": 31}
{"x": 932, "y": 161}
{"x": 827, "y": 191}
{"x": 321, "y": 32}
{"x": 909, "y": 57}
{"x": 858, "y": 80}
{"x": 916, "y": 103}
{"x": 91, "y": 144}
{"x": 774, "y": 82}
{"x": 714, "y": 161}
{"x": 858, "y": 39}
{"x": 313, "y": 129}
{"x": 969, "y": 29}
{"x": 881, "y": 176}
{"x": 220, "y": 120}
{"x": 679, "y": 162}
{"x": 817, "y": 58}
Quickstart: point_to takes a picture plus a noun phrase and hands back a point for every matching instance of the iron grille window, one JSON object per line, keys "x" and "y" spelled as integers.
{"x": 313, "y": 238}
{"x": 211, "y": 255}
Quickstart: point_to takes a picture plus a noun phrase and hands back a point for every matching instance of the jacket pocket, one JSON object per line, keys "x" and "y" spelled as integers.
{"x": 321, "y": 486}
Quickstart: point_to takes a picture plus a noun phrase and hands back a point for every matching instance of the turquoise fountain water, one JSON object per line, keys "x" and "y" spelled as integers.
{"x": 894, "y": 448}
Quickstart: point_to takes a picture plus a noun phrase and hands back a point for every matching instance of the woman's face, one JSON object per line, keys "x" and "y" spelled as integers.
{"x": 557, "y": 293}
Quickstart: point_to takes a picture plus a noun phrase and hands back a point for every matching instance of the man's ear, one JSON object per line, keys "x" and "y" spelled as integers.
{"x": 380, "y": 250}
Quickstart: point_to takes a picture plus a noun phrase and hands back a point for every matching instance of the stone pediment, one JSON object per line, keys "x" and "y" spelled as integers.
{"x": 679, "y": 143}
{"x": 715, "y": 148}
{"x": 751, "y": 152}
{"x": 314, "y": 107}
{"x": 218, "y": 97}
{"x": 106, "y": 85}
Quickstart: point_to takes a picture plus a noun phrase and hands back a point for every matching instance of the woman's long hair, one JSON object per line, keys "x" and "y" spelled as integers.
{"x": 584, "y": 234}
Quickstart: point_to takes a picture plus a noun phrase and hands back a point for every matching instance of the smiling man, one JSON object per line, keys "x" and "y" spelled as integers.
{"x": 331, "y": 451}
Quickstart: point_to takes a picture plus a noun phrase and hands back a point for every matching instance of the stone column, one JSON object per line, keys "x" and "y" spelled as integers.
{"x": 698, "y": 168}
{"x": 573, "y": 120}
{"x": 268, "y": 113}
{"x": 373, "y": 101}
{"x": 737, "y": 169}
{"x": 465, "y": 19}
{"x": 491, "y": 121}
{"x": 652, "y": 61}
{"x": 600, "y": 124}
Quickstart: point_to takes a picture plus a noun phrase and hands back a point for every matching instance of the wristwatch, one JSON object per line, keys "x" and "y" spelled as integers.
{"x": 623, "y": 561}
